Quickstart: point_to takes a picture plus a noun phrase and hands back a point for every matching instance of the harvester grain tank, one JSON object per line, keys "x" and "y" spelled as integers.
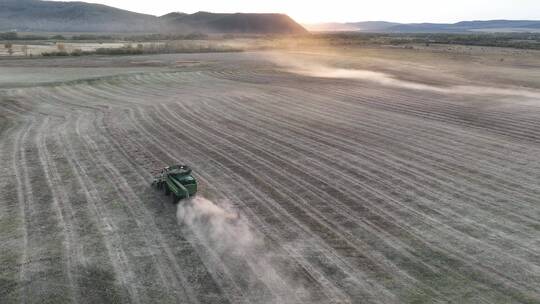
{"x": 177, "y": 181}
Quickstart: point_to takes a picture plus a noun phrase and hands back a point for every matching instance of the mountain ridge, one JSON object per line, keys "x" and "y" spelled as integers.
{"x": 458, "y": 27}
{"x": 50, "y": 16}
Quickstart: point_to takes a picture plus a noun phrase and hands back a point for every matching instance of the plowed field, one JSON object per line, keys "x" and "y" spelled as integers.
{"x": 317, "y": 185}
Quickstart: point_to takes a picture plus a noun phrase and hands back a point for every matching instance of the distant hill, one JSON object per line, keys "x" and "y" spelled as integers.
{"x": 234, "y": 23}
{"x": 460, "y": 27}
{"x": 49, "y": 16}
{"x": 470, "y": 26}
{"x": 34, "y": 15}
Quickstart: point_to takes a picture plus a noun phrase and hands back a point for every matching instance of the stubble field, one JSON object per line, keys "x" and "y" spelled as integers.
{"x": 381, "y": 176}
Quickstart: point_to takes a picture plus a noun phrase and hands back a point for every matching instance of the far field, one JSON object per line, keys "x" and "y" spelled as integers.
{"x": 358, "y": 175}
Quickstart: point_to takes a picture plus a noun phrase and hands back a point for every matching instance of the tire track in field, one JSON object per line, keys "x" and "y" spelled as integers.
{"x": 106, "y": 226}
{"x": 143, "y": 184}
{"x": 144, "y": 221}
{"x": 380, "y": 152}
{"x": 287, "y": 212}
{"x": 264, "y": 201}
{"x": 11, "y": 216}
{"x": 72, "y": 246}
{"x": 235, "y": 298}
{"x": 380, "y": 96}
{"x": 221, "y": 270}
{"x": 439, "y": 113}
{"x": 135, "y": 149}
{"x": 298, "y": 137}
{"x": 22, "y": 198}
{"x": 378, "y": 135}
{"x": 214, "y": 139}
{"x": 42, "y": 268}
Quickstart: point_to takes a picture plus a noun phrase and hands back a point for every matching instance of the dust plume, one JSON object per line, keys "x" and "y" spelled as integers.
{"x": 221, "y": 224}
{"x": 242, "y": 251}
{"x": 315, "y": 69}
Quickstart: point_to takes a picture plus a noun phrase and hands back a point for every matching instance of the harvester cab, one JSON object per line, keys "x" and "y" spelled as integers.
{"x": 177, "y": 181}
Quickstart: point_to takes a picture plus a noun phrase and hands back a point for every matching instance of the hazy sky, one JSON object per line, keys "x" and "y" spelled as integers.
{"x": 306, "y": 11}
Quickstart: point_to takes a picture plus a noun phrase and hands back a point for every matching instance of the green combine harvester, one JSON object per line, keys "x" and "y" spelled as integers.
{"x": 178, "y": 181}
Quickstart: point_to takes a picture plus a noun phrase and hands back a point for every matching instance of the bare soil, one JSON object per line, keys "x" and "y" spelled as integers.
{"x": 356, "y": 176}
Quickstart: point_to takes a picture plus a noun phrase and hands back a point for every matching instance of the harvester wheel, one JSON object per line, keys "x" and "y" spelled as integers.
{"x": 167, "y": 191}
{"x": 175, "y": 198}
